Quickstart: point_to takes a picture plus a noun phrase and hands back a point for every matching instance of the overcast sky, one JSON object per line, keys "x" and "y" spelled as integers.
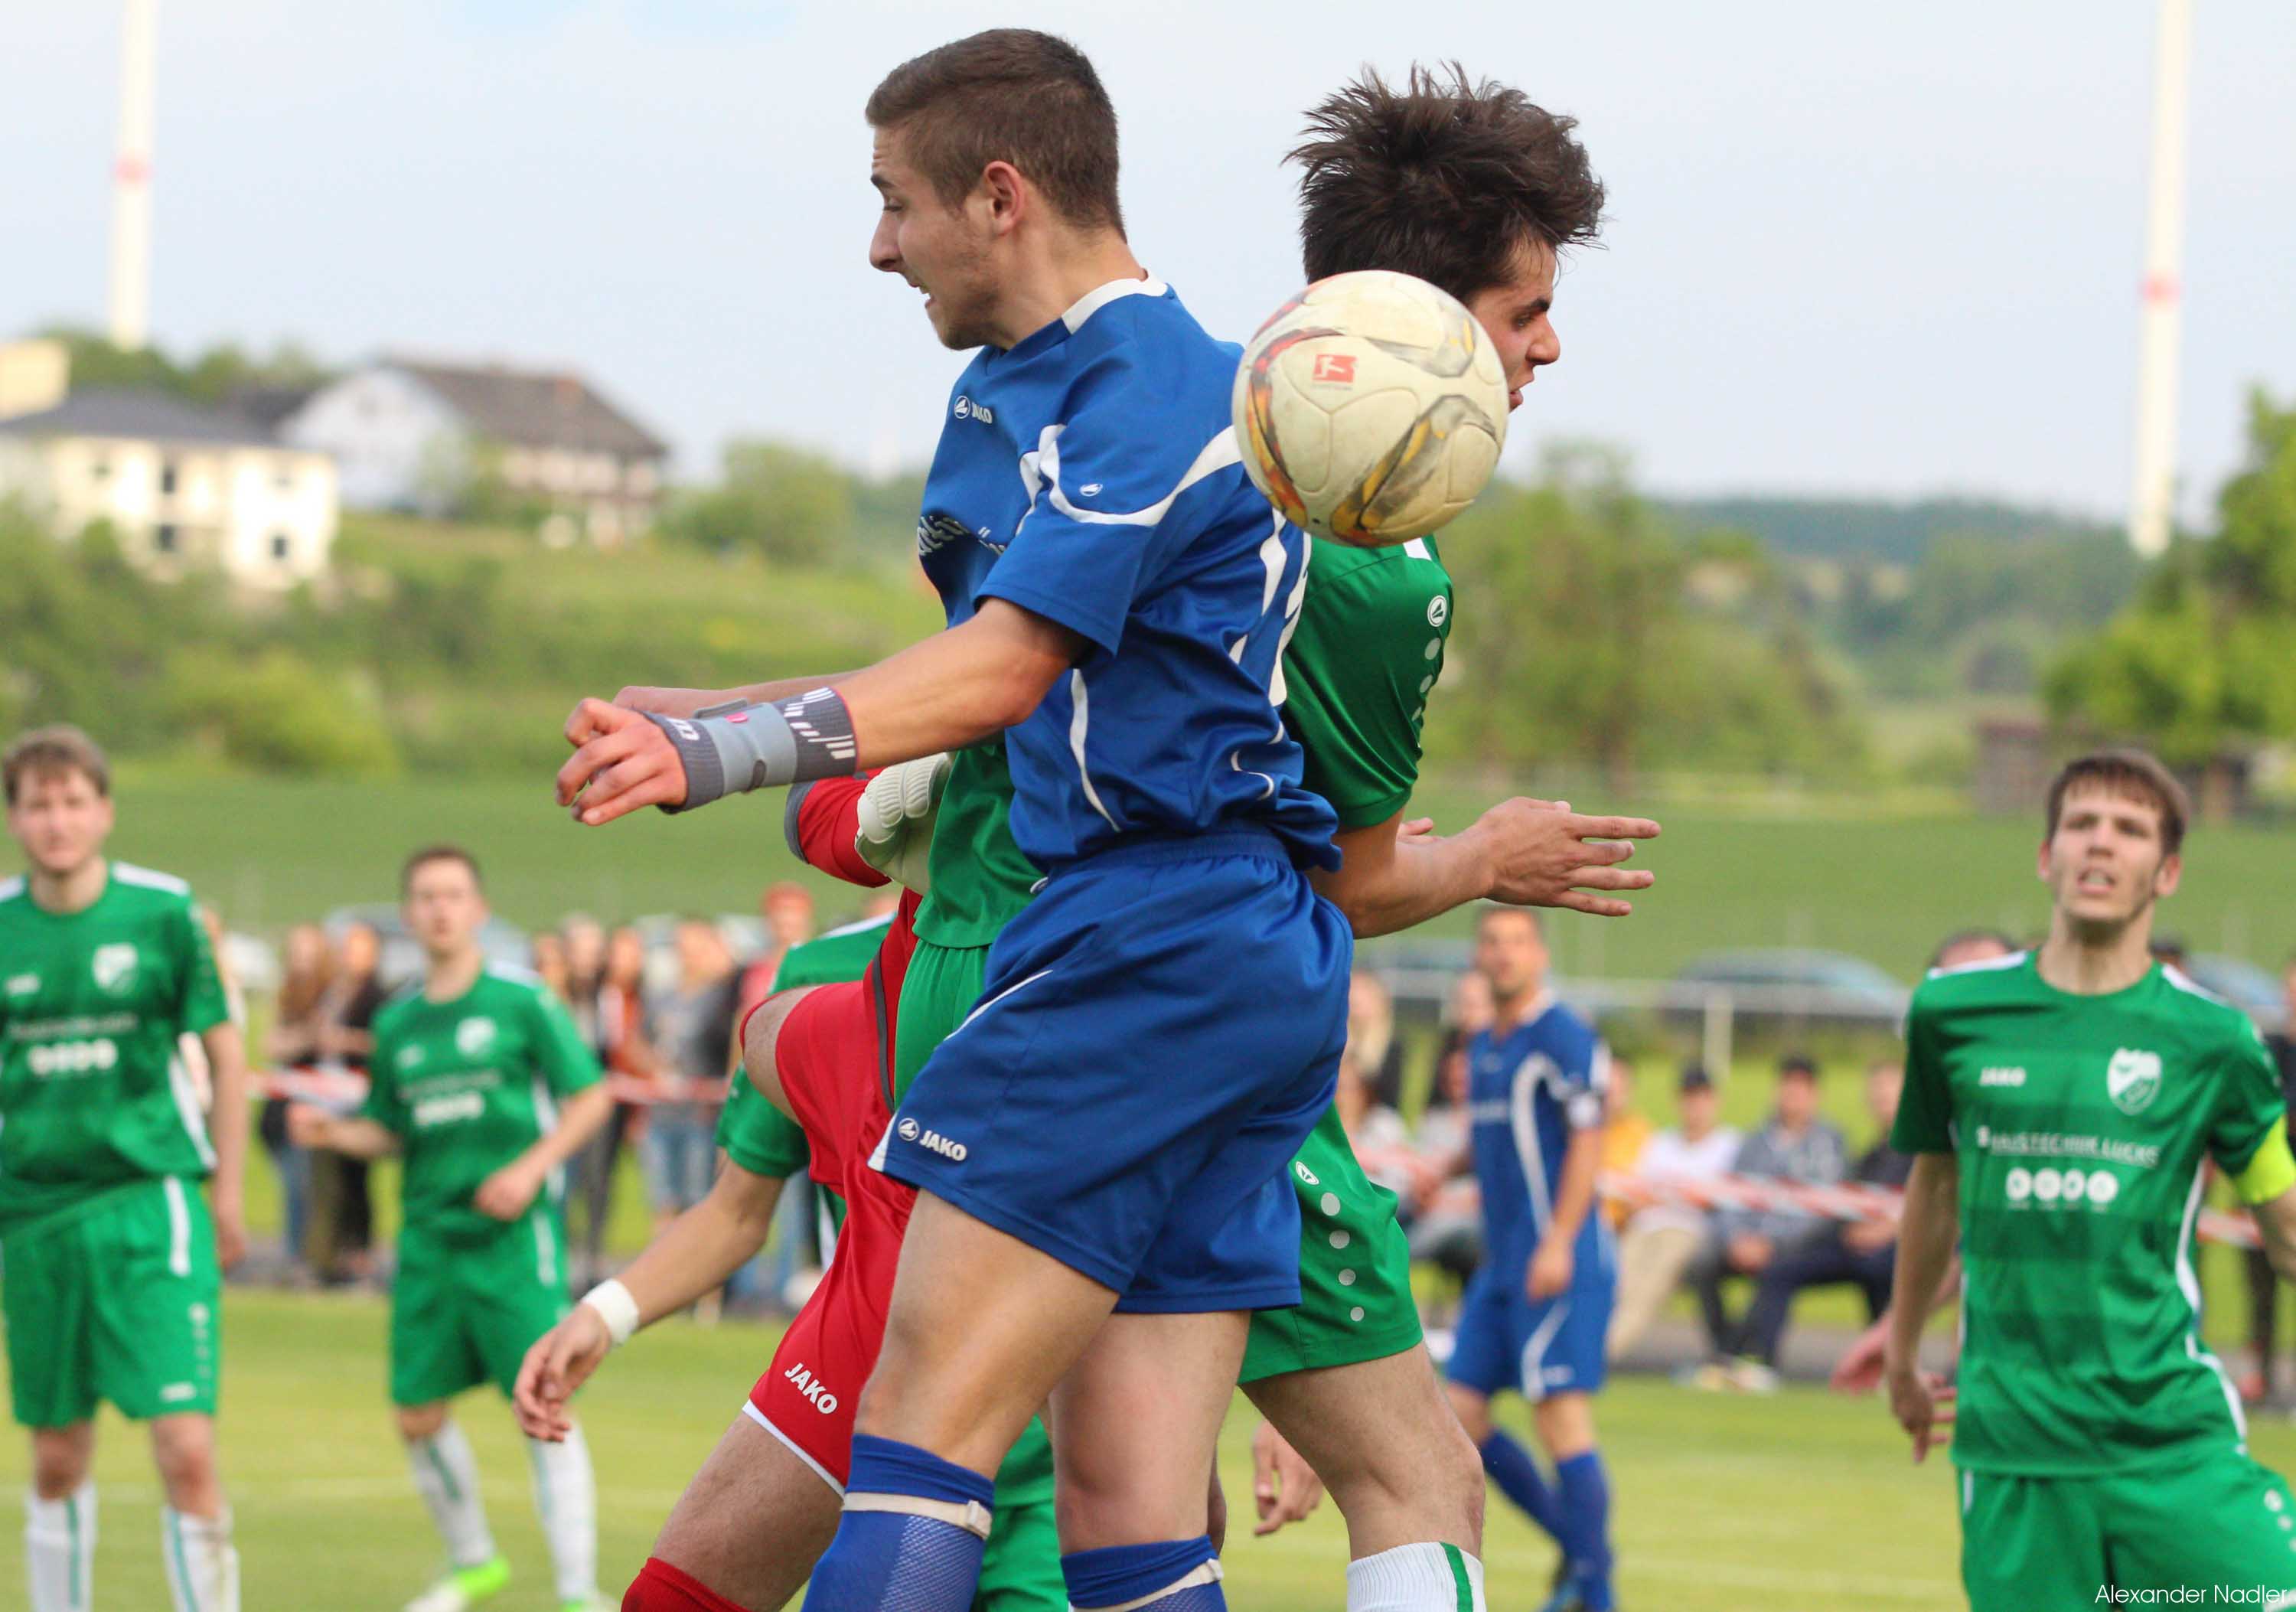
{"x": 1887, "y": 248}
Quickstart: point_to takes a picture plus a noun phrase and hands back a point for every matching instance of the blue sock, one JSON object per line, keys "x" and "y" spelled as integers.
{"x": 1587, "y": 1527}
{"x": 1515, "y": 1471}
{"x": 893, "y": 1561}
{"x": 1120, "y": 1574}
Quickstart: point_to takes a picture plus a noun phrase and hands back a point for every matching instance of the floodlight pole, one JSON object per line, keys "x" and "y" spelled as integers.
{"x": 131, "y": 182}
{"x": 2152, "y": 512}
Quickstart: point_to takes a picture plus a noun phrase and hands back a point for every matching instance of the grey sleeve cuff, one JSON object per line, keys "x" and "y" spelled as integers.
{"x": 732, "y": 748}
{"x": 790, "y": 815}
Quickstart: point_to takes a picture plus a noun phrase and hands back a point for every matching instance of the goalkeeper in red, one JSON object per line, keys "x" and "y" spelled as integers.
{"x": 2063, "y": 1106}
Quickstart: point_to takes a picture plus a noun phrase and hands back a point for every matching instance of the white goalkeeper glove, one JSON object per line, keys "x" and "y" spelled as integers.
{"x": 897, "y": 810}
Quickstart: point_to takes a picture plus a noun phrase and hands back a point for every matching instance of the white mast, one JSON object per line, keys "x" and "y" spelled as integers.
{"x": 2153, "y": 505}
{"x": 131, "y": 183}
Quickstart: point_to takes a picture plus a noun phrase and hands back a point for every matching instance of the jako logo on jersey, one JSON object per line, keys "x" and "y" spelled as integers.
{"x": 1439, "y": 611}
{"x": 816, "y": 1394}
{"x": 1338, "y": 368}
{"x": 114, "y": 966}
{"x": 967, "y": 410}
{"x": 474, "y": 1036}
{"x": 2001, "y": 1077}
{"x": 2133, "y": 1080}
{"x": 23, "y": 985}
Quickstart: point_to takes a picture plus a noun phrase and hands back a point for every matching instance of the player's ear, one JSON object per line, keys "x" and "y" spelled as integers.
{"x": 2171, "y": 874}
{"x": 1006, "y": 193}
{"x": 2041, "y": 861}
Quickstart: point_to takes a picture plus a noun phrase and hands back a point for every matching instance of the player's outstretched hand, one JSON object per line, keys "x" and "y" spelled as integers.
{"x": 560, "y": 1361}
{"x": 1859, "y": 1369}
{"x": 1541, "y": 853}
{"x": 622, "y": 763}
{"x": 508, "y": 1192}
{"x": 1283, "y": 1487}
{"x": 1922, "y": 1402}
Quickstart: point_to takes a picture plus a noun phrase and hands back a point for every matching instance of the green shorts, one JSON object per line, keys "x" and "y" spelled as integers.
{"x": 464, "y": 1314}
{"x": 1021, "y": 1568}
{"x": 943, "y": 984}
{"x": 1355, "y": 1268}
{"x": 120, "y": 1301}
{"x": 2220, "y": 1531}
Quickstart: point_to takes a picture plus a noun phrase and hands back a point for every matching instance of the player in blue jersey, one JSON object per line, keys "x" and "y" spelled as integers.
{"x": 1101, "y": 1148}
{"x": 1536, "y": 1312}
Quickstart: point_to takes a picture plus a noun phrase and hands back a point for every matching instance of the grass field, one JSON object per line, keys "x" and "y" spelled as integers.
{"x": 1803, "y": 1503}
{"x": 268, "y": 852}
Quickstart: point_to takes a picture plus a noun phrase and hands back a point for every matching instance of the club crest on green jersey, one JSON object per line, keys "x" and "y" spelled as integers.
{"x": 474, "y": 1037}
{"x": 2133, "y": 1080}
{"x": 114, "y": 966}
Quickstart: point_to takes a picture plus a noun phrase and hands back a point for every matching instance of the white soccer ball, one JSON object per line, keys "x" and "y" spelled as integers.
{"x": 1371, "y": 408}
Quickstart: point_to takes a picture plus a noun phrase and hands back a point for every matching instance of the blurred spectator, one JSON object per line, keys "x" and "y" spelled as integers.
{"x": 616, "y": 1025}
{"x": 585, "y": 969}
{"x": 1625, "y": 1132}
{"x": 2169, "y": 951}
{"x": 1372, "y": 1040}
{"x": 342, "y": 1204}
{"x": 1967, "y": 946}
{"x": 549, "y": 958}
{"x": 1861, "y": 1252}
{"x": 1381, "y": 1139}
{"x": 787, "y": 909}
{"x": 689, "y": 1027}
{"x": 293, "y": 1043}
{"x": 1795, "y": 1146}
{"x": 1660, "y": 1239}
{"x": 2256, "y": 1384}
{"x": 1447, "y": 1228}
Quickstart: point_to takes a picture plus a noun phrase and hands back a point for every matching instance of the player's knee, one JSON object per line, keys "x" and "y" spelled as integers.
{"x": 61, "y": 1458}
{"x": 183, "y": 1449}
{"x": 1472, "y": 1411}
{"x": 761, "y": 1037}
{"x": 419, "y": 1422}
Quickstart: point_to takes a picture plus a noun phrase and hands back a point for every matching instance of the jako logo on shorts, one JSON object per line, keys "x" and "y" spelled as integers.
{"x": 816, "y": 1394}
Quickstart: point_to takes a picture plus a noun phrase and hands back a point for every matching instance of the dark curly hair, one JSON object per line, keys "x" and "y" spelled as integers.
{"x": 1445, "y": 178}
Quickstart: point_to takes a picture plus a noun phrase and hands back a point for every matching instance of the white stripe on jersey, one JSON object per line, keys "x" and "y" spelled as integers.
{"x": 1078, "y": 720}
{"x": 127, "y": 873}
{"x": 1101, "y": 296}
{"x": 1040, "y": 471}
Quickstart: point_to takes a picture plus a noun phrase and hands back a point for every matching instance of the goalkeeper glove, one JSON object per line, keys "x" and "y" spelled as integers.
{"x": 896, "y": 811}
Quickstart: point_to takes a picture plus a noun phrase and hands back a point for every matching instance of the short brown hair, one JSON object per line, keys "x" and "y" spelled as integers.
{"x": 436, "y": 853}
{"x": 1444, "y": 178}
{"x": 1009, "y": 94}
{"x": 61, "y": 748}
{"x": 2134, "y": 774}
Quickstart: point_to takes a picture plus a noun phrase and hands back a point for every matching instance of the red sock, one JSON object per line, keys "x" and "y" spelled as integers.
{"x": 659, "y": 1587}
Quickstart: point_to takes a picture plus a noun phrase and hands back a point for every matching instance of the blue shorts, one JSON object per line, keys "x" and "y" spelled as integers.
{"x": 1552, "y": 1347}
{"x": 1158, "y": 1033}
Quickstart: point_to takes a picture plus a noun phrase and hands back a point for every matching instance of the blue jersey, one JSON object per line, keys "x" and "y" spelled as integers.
{"x": 1529, "y": 1090}
{"x": 1090, "y": 475}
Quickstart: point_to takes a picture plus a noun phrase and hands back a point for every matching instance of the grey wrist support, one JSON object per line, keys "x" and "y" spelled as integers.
{"x": 737, "y": 746}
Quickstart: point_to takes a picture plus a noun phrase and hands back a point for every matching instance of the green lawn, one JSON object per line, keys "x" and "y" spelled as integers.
{"x": 1802, "y": 1501}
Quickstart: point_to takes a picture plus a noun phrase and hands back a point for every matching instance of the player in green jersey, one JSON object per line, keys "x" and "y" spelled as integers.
{"x": 480, "y": 1080}
{"x": 112, "y": 1263}
{"x": 2063, "y": 1107}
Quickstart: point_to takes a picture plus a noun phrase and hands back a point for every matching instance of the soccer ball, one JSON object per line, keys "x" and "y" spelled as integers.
{"x": 1371, "y": 408}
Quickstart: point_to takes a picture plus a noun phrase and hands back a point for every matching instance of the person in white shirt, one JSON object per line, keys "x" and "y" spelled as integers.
{"x": 1661, "y": 1238}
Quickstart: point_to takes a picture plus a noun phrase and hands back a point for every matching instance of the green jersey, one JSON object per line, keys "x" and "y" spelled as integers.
{"x": 755, "y": 1134}
{"x": 977, "y": 876}
{"x": 2082, "y": 1124}
{"x": 468, "y": 1086}
{"x": 94, "y": 1095}
{"x": 1363, "y": 660}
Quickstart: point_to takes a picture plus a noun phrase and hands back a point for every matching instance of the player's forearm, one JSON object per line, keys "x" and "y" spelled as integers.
{"x": 1383, "y": 884}
{"x": 584, "y": 1114}
{"x": 227, "y": 1118}
{"x": 956, "y": 687}
{"x": 698, "y": 1253}
{"x": 1574, "y": 1198}
{"x": 687, "y": 701}
{"x": 1926, "y": 1234}
{"x": 358, "y": 1139}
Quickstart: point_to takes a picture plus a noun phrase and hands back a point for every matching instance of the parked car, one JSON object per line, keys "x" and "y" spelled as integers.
{"x": 2253, "y": 989}
{"x": 1787, "y": 983}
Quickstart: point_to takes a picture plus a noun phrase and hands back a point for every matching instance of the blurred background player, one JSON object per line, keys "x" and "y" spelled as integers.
{"x": 2063, "y": 1106}
{"x": 1537, "y": 1312}
{"x": 468, "y": 1071}
{"x": 112, "y": 1282}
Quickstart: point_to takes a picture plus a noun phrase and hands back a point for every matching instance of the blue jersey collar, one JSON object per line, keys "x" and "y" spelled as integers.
{"x": 1072, "y": 320}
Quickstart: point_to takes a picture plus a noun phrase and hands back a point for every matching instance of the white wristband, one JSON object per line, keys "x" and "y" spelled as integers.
{"x": 615, "y": 1307}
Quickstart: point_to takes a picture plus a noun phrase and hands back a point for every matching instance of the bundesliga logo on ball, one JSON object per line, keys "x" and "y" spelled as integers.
{"x": 1371, "y": 408}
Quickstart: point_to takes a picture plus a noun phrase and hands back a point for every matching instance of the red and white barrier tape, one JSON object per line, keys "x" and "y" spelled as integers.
{"x": 1850, "y": 1201}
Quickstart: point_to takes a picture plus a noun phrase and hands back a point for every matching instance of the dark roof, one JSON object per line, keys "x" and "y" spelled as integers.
{"x": 151, "y": 417}
{"x": 268, "y": 405}
{"x": 535, "y": 410}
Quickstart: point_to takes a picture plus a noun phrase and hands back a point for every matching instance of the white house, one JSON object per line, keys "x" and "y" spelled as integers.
{"x": 183, "y": 484}
{"x": 409, "y": 435}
